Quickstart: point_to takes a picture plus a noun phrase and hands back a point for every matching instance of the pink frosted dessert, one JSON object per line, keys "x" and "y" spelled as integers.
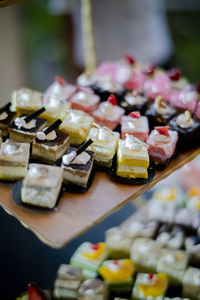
{"x": 108, "y": 113}
{"x": 162, "y": 144}
{"x": 186, "y": 99}
{"x": 136, "y": 125}
{"x": 107, "y": 68}
{"x": 177, "y": 81}
{"x": 85, "y": 100}
{"x": 60, "y": 89}
{"x": 159, "y": 85}
{"x": 136, "y": 81}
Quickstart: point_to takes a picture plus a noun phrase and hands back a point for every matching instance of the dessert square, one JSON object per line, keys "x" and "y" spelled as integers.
{"x": 108, "y": 113}
{"x": 142, "y": 228}
{"x": 67, "y": 282}
{"x": 85, "y": 100}
{"x": 171, "y": 236}
{"x": 104, "y": 145}
{"x": 118, "y": 243}
{"x": 89, "y": 257}
{"x": 6, "y": 118}
{"x": 77, "y": 124}
{"x": 145, "y": 254}
{"x": 162, "y": 144}
{"x": 52, "y": 147}
{"x": 136, "y": 125}
{"x": 158, "y": 85}
{"x": 191, "y": 283}
{"x": 133, "y": 101}
{"x": 150, "y": 286}
{"x": 78, "y": 170}
{"x": 93, "y": 289}
{"x": 161, "y": 212}
{"x": 132, "y": 158}
{"x": 185, "y": 99}
{"x": 25, "y": 101}
{"x": 187, "y": 217}
{"x": 174, "y": 264}
{"x": 118, "y": 275}
{"x": 41, "y": 186}
{"x": 14, "y": 159}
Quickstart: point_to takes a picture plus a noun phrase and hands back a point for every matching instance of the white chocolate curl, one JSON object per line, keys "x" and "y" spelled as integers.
{"x": 161, "y": 106}
{"x": 51, "y": 136}
{"x": 20, "y": 123}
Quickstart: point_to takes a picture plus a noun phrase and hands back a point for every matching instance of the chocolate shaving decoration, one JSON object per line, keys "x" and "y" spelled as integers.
{"x": 83, "y": 146}
{"x": 5, "y": 107}
{"x": 34, "y": 115}
{"x": 52, "y": 126}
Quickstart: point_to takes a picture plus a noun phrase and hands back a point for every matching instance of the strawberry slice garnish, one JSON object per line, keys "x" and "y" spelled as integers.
{"x": 129, "y": 59}
{"x": 135, "y": 114}
{"x": 95, "y": 247}
{"x": 174, "y": 74}
{"x": 116, "y": 262}
{"x": 164, "y": 130}
{"x": 112, "y": 99}
{"x": 150, "y": 69}
{"x": 60, "y": 80}
{"x": 151, "y": 275}
{"x": 35, "y": 293}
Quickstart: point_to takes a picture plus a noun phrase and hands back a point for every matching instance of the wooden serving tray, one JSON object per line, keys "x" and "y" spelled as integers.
{"x": 76, "y": 213}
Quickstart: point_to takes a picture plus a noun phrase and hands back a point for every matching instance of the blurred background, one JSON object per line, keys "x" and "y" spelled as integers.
{"x": 40, "y": 39}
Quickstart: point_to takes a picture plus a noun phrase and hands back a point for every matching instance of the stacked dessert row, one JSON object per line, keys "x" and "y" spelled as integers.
{"x": 152, "y": 259}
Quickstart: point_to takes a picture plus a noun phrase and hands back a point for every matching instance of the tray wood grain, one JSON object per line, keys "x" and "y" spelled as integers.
{"x": 76, "y": 213}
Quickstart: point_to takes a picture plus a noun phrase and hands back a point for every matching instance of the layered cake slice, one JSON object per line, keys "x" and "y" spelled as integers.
{"x": 67, "y": 282}
{"x": 150, "y": 286}
{"x": 14, "y": 159}
{"x": 24, "y": 128}
{"x": 108, "y": 113}
{"x": 25, "y": 101}
{"x": 191, "y": 283}
{"x": 104, "y": 144}
{"x": 132, "y": 158}
{"x": 85, "y": 100}
{"x": 50, "y": 144}
{"x": 118, "y": 274}
{"x": 6, "y": 118}
{"x": 136, "y": 125}
{"x": 93, "y": 289}
{"x": 77, "y": 124}
{"x": 89, "y": 257}
{"x": 42, "y": 185}
{"x": 162, "y": 144}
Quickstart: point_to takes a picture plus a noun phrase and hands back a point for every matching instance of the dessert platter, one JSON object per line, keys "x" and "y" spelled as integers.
{"x": 150, "y": 256}
{"x": 72, "y": 155}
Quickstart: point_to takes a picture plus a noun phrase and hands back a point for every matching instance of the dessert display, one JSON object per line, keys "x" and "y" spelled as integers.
{"x": 50, "y": 144}
{"x": 162, "y": 144}
{"x": 14, "y": 159}
{"x": 108, "y": 113}
{"x": 93, "y": 289}
{"x": 133, "y": 101}
{"x": 24, "y": 128}
{"x": 104, "y": 144}
{"x": 132, "y": 158}
{"x": 77, "y": 124}
{"x": 41, "y": 186}
{"x": 85, "y": 99}
{"x": 136, "y": 125}
{"x": 6, "y": 118}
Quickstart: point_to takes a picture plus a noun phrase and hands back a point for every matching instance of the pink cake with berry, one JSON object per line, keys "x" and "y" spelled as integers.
{"x": 177, "y": 81}
{"x": 186, "y": 99}
{"x": 136, "y": 125}
{"x": 108, "y": 113}
{"x": 159, "y": 85}
{"x": 107, "y": 68}
{"x": 162, "y": 144}
{"x": 136, "y": 81}
{"x": 84, "y": 99}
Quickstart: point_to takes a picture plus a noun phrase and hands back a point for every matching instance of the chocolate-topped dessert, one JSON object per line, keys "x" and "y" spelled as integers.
{"x": 6, "y": 118}
{"x": 134, "y": 101}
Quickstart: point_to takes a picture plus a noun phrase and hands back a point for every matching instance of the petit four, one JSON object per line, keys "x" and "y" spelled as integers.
{"x": 132, "y": 158}
{"x": 41, "y": 186}
{"x": 150, "y": 286}
{"x": 193, "y": 201}
{"x": 178, "y": 82}
{"x": 133, "y": 101}
{"x": 174, "y": 264}
{"x": 6, "y": 118}
{"x": 191, "y": 283}
{"x": 161, "y": 211}
{"x": 86, "y": 79}
{"x": 190, "y": 218}
{"x": 108, "y": 113}
{"x": 160, "y": 112}
{"x": 145, "y": 254}
{"x": 162, "y": 144}
{"x": 118, "y": 274}
{"x": 170, "y": 237}
{"x": 159, "y": 85}
{"x": 77, "y": 124}
{"x": 84, "y": 99}
{"x": 24, "y": 128}
{"x": 25, "y": 101}
{"x": 142, "y": 228}
{"x": 187, "y": 128}
{"x": 185, "y": 99}
{"x": 77, "y": 167}
{"x": 89, "y": 257}
{"x": 14, "y": 159}
{"x": 93, "y": 289}
{"x": 170, "y": 195}
{"x": 118, "y": 243}
{"x": 136, "y": 125}
{"x": 50, "y": 144}
{"x": 67, "y": 282}
{"x": 136, "y": 81}
{"x": 104, "y": 144}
